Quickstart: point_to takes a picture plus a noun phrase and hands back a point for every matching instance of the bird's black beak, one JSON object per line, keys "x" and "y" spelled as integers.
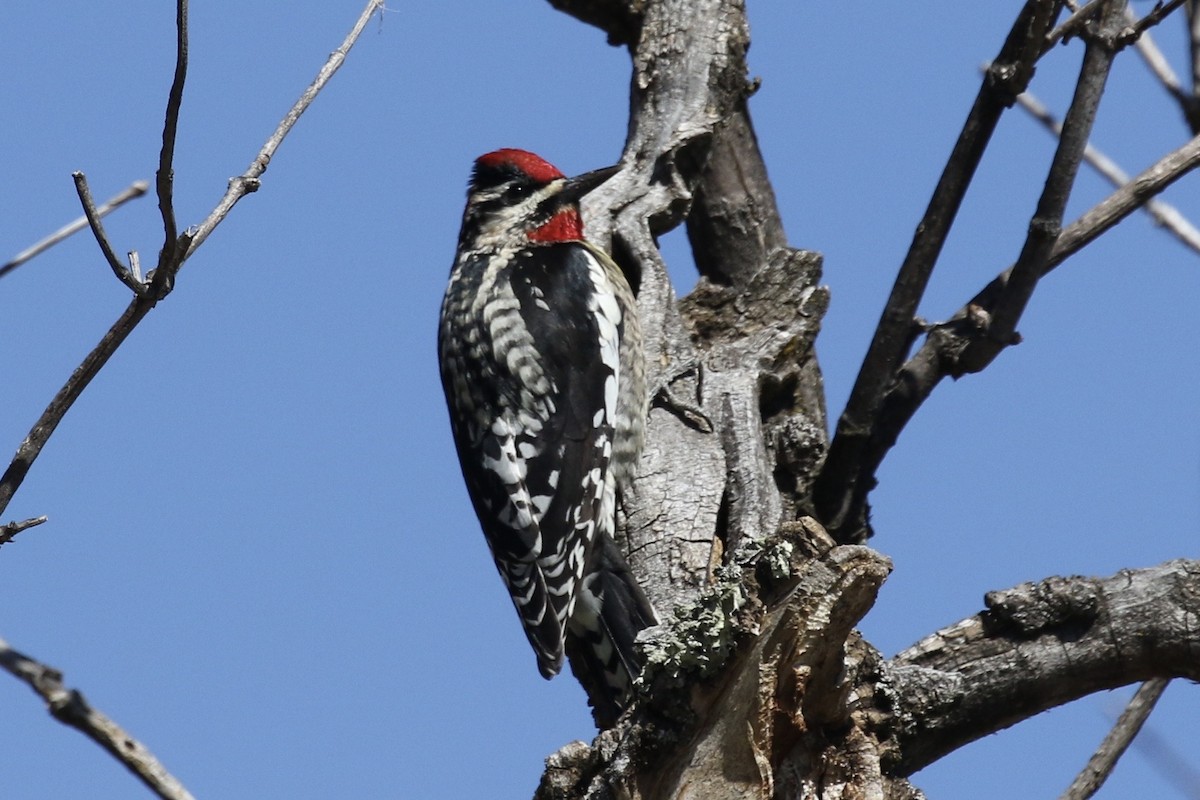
{"x": 580, "y": 185}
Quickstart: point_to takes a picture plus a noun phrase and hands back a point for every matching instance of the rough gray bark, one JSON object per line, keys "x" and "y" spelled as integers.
{"x": 757, "y": 684}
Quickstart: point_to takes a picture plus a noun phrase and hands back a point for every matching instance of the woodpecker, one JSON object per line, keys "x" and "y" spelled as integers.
{"x": 541, "y": 361}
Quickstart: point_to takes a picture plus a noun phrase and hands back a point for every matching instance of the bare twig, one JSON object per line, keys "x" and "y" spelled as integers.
{"x": 164, "y": 179}
{"x": 1163, "y": 213}
{"x": 1102, "y": 762}
{"x": 1161, "y": 69}
{"x": 933, "y": 360}
{"x": 1074, "y": 23}
{"x": 1193, "y": 39}
{"x": 1046, "y": 224}
{"x": 1123, "y": 202}
{"x": 7, "y": 532}
{"x": 32, "y": 446}
{"x": 1189, "y": 99}
{"x": 1158, "y": 64}
{"x": 248, "y": 181}
{"x": 1157, "y": 14}
{"x": 134, "y": 190}
{"x": 1174, "y": 767}
{"x": 973, "y": 338}
{"x": 41, "y": 431}
{"x": 1082, "y": 14}
{"x": 840, "y": 496}
{"x": 90, "y": 212}
{"x": 69, "y": 707}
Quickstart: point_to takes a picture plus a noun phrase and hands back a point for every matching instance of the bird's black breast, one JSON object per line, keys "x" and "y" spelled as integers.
{"x": 553, "y": 285}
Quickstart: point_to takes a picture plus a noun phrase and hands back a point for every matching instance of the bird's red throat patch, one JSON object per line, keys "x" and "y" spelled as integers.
{"x": 565, "y": 226}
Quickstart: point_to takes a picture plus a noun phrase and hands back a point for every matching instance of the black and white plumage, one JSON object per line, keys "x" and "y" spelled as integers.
{"x": 541, "y": 362}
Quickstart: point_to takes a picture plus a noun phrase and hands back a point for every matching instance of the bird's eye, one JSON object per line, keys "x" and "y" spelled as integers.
{"x": 517, "y": 191}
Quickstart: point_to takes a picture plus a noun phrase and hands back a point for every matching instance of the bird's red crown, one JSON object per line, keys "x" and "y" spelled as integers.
{"x": 536, "y": 167}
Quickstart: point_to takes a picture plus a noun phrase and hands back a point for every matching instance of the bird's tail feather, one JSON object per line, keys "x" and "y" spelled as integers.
{"x": 610, "y": 612}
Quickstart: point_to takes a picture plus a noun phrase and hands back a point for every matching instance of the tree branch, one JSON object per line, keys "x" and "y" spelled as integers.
{"x": 988, "y": 324}
{"x": 1137, "y": 28}
{"x": 846, "y": 479}
{"x": 1121, "y": 203}
{"x": 689, "y": 73}
{"x": 41, "y": 431}
{"x": 1193, "y": 40}
{"x": 935, "y": 359}
{"x": 757, "y": 295}
{"x": 91, "y": 214}
{"x": 792, "y": 684}
{"x": 1038, "y": 646}
{"x": 165, "y": 176}
{"x": 69, "y": 707}
{"x": 1163, "y": 213}
{"x": 10, "y": 530}
{"x": 733, "y": 226}
{"x": 1104, "y": 760}
{"x": 1080, "y": 16}
{"x": 134, "y": 190}
{"x": 1158, "y": 65}
{"x": 937, "y": 355}
{"x": 1046, "y": 224}
{"x": 248, "y": 181}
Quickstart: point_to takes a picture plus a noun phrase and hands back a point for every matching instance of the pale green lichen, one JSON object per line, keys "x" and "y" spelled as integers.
{"x": 699, "y": 638}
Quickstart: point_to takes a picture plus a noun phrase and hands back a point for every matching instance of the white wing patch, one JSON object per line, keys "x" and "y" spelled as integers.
{"x": 603, "y": 305}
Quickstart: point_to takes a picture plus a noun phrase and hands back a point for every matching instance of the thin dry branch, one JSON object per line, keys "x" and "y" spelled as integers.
{"x": 1193, "y": 40}
{"x": 937, "y": 356}
{"x": 1159, "y": 66}
{"x": 1073, "y": 25}
{"x": 91, "y": 214}
{"x": 69, "y": 707}
{"x": 1188, "y": 103}
{"x": 1130, "y": 197}
{"x": 164, "y": 178}
{"x": 1139, "y": 27}
{"x": 1104, "y": 760}
{"x": 8, "y": 531}
{"x": 134, "y": 190}
{"x": 1138, "y": 31}
{"x": 248, "y": 181}
{"x": 842, "y": 487}
{"x": 1175, "y": 767}
{"x": 1163, "y": 213}
{"x": 1046, "y": 223}
{"x": 41, "y": 431}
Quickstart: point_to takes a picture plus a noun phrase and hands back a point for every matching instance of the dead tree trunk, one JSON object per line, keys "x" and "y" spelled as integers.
{"x": 757, "y": 683}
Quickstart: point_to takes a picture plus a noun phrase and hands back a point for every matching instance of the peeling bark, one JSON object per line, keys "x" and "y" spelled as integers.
{"x": 757, "y": 684}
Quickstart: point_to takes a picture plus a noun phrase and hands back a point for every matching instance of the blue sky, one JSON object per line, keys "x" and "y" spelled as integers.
{"x": 260, "y": 558}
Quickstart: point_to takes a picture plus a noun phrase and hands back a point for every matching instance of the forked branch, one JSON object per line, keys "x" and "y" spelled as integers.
{"x": 163, "y": 280}
{"x": 842, "y": 487}
{"x": 131, "y": 192}
{"x": 69, "y": 706}
{"x": 936, "y": 357}
{"x": 1163, "y": 213}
